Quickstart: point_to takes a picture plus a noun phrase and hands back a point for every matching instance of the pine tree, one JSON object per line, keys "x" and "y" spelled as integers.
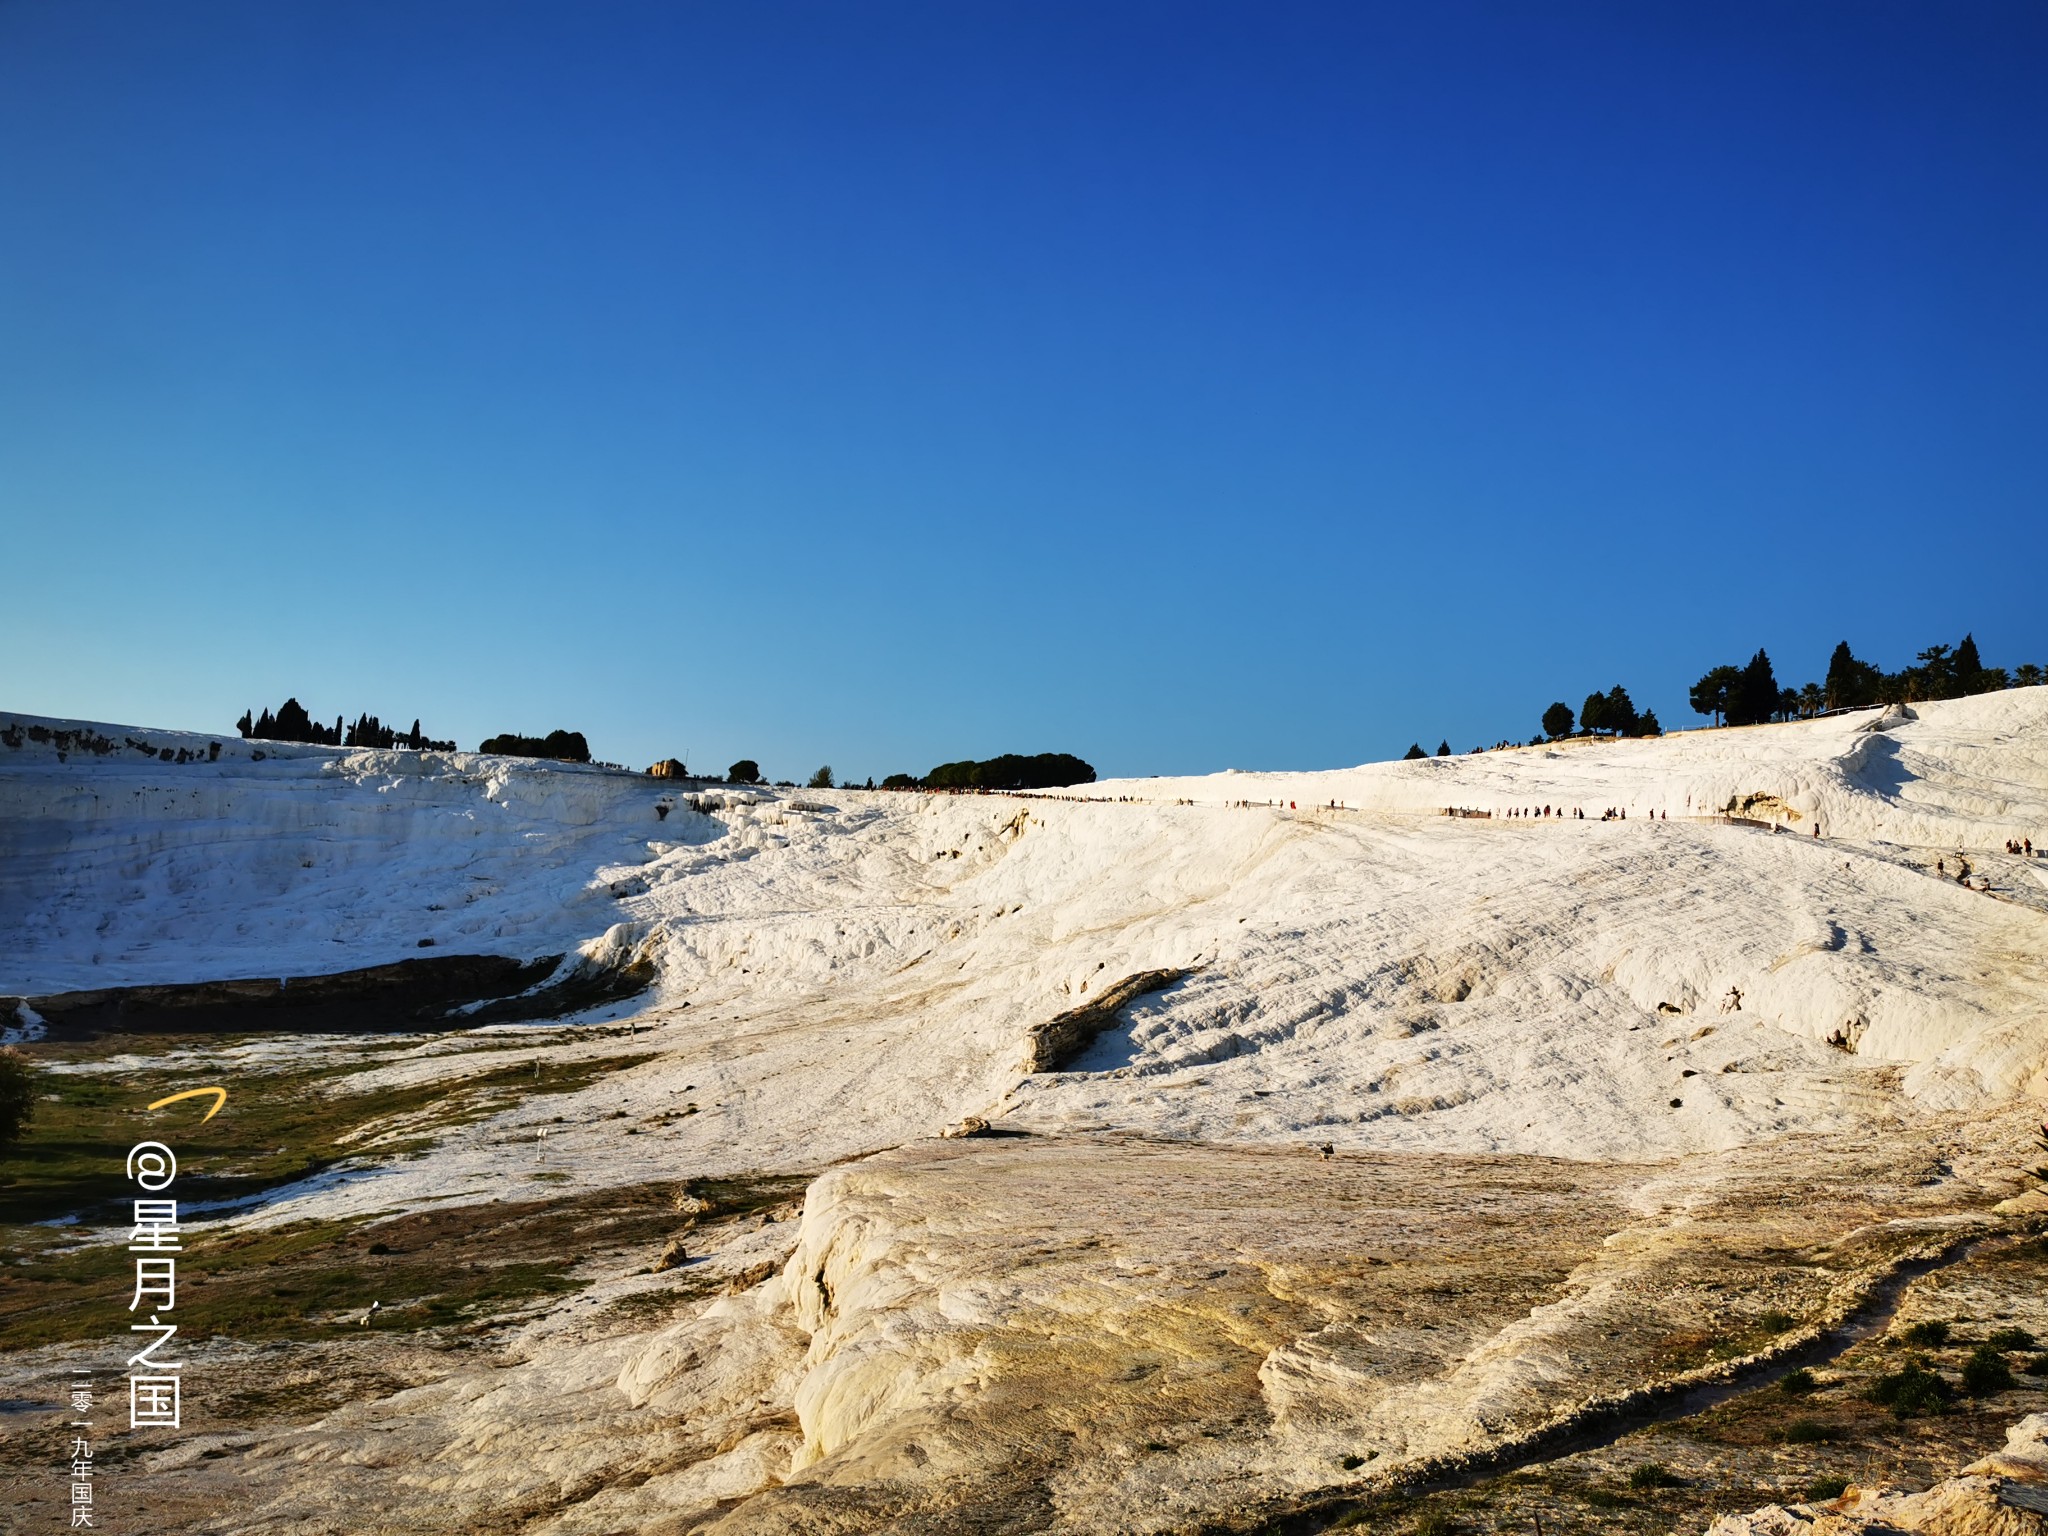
{"x": 1593, "y": 713}
{"x": 1713, "y": 693}
{"x": 1557, "y": 720}
{"x": 1934, "y": 678}
{"x": 245, "y": 725}
{"x": 1443, "y": 749}
{"x": 1414, "y": 751}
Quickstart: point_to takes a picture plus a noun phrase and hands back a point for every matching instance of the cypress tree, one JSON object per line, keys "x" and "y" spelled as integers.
{"x": 1850, "y": 684}
{"x": 293, "y": 723}
{"x": 1619, "y": 712}
{"x": 1755, "y": 697}
{"x": 1971, "y": 673}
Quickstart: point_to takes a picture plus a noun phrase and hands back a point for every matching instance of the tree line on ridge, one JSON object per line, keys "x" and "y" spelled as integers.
{"x": 1751, "y": 694}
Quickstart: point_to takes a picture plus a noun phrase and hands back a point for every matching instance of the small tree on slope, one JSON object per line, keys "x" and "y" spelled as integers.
{"x": 17, "y": 1095}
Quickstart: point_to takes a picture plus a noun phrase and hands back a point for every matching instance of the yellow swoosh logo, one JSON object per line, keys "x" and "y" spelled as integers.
{"x": 220, "y": 1100}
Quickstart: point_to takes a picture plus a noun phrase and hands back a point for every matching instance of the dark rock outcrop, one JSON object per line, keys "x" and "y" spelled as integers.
{"x": 1056, "y": 1042}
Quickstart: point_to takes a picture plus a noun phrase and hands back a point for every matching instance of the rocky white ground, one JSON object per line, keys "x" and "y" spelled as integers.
{"x": 1827, "y": 1038}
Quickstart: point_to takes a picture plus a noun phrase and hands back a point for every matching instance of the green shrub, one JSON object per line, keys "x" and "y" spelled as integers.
{"x": 1602, "y": 1498}
{"x": 1776, "y": 1322}
{"x": 1653, "y": 1474}
{"x": 822, "y": 779}
{"x": 17, "y": 1095}
{"x": 1044, "y": 770}
{"x": 1798, "y": 1383}
{"x": 1822, "y": 1489}
{"x": 1911, "y": 1389}
{"x": 561, "y": 746}
{"x": 1807, "y": 1432}
{"x": 2011, "y": 1338}
{"x": 745, "y": 771}
{"x": 2038, "y": 1366}
{"x": 1929, "y": 1334}
{"x": 1351, "y": 1463}
{"x": 1985, "y": 1373}
{"x": 1434, "y": 1523}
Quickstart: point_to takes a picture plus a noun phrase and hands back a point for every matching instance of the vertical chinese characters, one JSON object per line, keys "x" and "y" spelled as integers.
{"x": 154, "y": 1393}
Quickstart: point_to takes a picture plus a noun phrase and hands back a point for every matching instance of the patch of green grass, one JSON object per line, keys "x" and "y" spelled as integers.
{"x": 1602, "y": 1498}
{"x": 1777, "y": 1322}
{"x": 1653, "y": 1474}
{"x": 430, "y": 1269}
{"x": 1807, "y": 1432}
{"x": 275, "y": 1129}
{"x": 1435, "y": 1522}
{"x": 1684, "y": 1351}
{"x": 2010, "y": 1338}
{"x": 645, "y": 1304}
{"x": 1929, "y": 1333}
{"x": 1799, "y": 1383}
{"x": 1822, "y": 1489}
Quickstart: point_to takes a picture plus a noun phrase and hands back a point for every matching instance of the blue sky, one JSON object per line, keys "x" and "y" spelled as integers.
{"x": 1184, "y": 386}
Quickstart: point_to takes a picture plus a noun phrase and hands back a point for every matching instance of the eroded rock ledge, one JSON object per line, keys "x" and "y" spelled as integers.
{"x": 1050, "y": 1046}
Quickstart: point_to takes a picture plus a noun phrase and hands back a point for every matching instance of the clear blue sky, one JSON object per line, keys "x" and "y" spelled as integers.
{"x": 1180, "y": 385}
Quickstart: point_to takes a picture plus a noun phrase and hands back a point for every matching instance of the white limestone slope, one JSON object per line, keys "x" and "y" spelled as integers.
{"x": 863, "y": 968}
{"x": 1573, "y": 1074}
{"x": 126, "y": 866}
{"x": 1960, "y": 773}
